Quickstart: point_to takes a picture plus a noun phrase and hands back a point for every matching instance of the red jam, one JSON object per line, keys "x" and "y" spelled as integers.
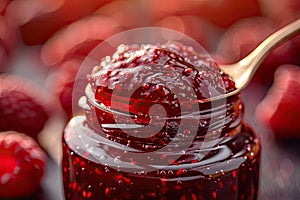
{"x": 111, "y": 153}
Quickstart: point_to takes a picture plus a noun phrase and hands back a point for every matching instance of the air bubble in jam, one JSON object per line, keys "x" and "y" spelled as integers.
{"x": 180, "y": 81}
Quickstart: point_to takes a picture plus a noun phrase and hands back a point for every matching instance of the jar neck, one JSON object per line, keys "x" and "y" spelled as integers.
{"x": 224, "y": 121}
{"x": 213, "y": 123}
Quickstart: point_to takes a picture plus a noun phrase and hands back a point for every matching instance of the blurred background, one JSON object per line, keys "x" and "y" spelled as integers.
{"x": 46, "y": 41}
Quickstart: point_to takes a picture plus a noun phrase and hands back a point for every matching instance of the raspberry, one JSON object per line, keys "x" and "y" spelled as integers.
{"x": 22, "y": 165}
{"x": 280, "y": 109}
{"x": 24, "y": 106}
{"x": 61, "y": 81}
{"x": 8, "y": 39}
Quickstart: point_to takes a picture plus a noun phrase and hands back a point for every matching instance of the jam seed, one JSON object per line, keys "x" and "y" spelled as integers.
{"x": 234, "y": 174}
{"x": 118, "y": 87}
{"x": 181, "y": 172}
{"x": 163, "y": 182}
{"x": 87, "y": 194}
{"x": 221, "y": 185}
{"x": 119, "y": 177}
{"x": 82, "y": 164}
{"x": 98, "y": 171}
{"x": 127, "y": 180}
{"x": 74, "y": 185}
{"x": 187, "y": 71}
{"x": 146, "y": 86}
{"x": 214, "y": 195}
{"x": 65, "y": 169}
{"x": 234, "y": 188}
{"x": 193, "y": 197}
{"x": 152, "y": 195}
{"x": 107, "y": 191}
{"x": 133, "y": 162}
{"x": 159, "y": 88}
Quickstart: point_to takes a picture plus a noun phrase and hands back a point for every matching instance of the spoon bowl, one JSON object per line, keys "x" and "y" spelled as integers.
{"x": 243, "y": 71}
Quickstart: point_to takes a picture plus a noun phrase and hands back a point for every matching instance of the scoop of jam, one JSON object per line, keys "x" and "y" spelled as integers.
{"x": 166, "y": 74}
{"x": 136, "y": 78}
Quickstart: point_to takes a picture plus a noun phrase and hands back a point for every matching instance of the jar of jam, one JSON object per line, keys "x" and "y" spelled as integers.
{"x": 157, "y": 125}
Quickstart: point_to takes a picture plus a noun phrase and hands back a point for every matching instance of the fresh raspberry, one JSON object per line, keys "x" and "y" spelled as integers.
{"x": 8, "y": 41}
{"x": 61, "y": 82}
{"x": 22, "y": 165}
{"x": 61, "y": 79}
{"x": 24, "y": 106}
{"x": 280, "y": 109}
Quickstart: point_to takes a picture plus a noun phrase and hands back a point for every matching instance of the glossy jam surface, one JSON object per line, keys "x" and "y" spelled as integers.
{"x": 144, "y": 104}
{"x": 230, "y": 170}
{"x": 157, "y": 70}
{"x": 171, "y": 75}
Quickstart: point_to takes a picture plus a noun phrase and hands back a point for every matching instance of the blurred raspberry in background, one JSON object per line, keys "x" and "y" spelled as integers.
{"x": 281, "y": 12}
{"x": 39, "y": 19}
{"x": 280, "y": 109}
{"x": 222, "y": 13}
{"x": 8, "y": 34}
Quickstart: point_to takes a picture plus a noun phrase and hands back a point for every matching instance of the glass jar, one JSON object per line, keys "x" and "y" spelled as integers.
{"x": 101, "y": 161}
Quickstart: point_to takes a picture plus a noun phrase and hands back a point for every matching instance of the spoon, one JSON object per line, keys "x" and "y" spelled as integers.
{"x": 243, "y": 71}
